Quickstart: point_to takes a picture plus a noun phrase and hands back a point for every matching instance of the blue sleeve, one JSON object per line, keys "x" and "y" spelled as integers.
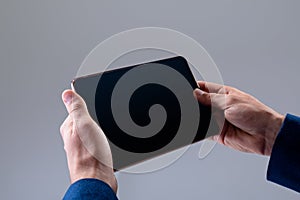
{"x": 86, "y": 189}
{"x": 284, "y": 164}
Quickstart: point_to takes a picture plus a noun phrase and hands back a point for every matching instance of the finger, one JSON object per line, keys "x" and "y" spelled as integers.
{"x": 213, "y": 99}
{"x": 212, "y": 87}
{"x": 239, "y": 140}
{"x": 74, "y": 103}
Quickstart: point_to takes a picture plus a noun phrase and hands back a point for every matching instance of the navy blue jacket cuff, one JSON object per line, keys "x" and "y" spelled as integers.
{"x": 86, "y": 189}
{"x": 284, "y": 164}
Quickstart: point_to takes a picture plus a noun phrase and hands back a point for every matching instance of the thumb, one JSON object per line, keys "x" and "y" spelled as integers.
{"x": 213, "y": 99}
{"x": 74, "y": 103}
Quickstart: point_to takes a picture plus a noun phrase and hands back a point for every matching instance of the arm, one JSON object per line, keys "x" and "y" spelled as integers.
{"x": 91, "y": 171}
{"x": 87, "y": 189}
{"x": 253, "y": 127}
{"x": 284, "y": 162}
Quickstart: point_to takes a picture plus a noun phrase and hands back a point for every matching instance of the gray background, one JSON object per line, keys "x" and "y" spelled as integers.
{"x": 42, "y": 43}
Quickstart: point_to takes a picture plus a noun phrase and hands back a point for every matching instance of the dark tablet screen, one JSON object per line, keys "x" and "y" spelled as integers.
{"x": 141, "y": 108}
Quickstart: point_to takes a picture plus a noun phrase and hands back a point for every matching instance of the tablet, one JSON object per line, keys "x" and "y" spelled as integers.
{"x": 145, "y": 110}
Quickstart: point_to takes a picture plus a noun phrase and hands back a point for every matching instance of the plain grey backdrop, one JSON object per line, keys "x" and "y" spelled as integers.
{"x": 42, "y": 43}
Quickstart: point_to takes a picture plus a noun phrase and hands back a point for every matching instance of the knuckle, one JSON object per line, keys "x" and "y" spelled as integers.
{"x": 231, "y": 99}
{"x": 75, "y": 109}
{"x": 208, "y": 99}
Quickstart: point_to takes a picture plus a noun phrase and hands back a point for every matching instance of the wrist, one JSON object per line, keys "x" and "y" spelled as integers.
{"x": 273, "y": 130}
{"x": 106, "y": 175}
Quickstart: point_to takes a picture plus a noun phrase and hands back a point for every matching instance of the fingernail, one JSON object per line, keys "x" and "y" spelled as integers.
{"x": 67, "y": 97}
{"x": 198, "y": 92}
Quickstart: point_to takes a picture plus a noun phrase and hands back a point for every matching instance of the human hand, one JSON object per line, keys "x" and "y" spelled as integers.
{"x": 78, "y": 132}
{"x": 250, "y": 126}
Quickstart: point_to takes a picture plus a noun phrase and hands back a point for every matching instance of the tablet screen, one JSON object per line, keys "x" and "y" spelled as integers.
{"x": 145, "y": 110}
